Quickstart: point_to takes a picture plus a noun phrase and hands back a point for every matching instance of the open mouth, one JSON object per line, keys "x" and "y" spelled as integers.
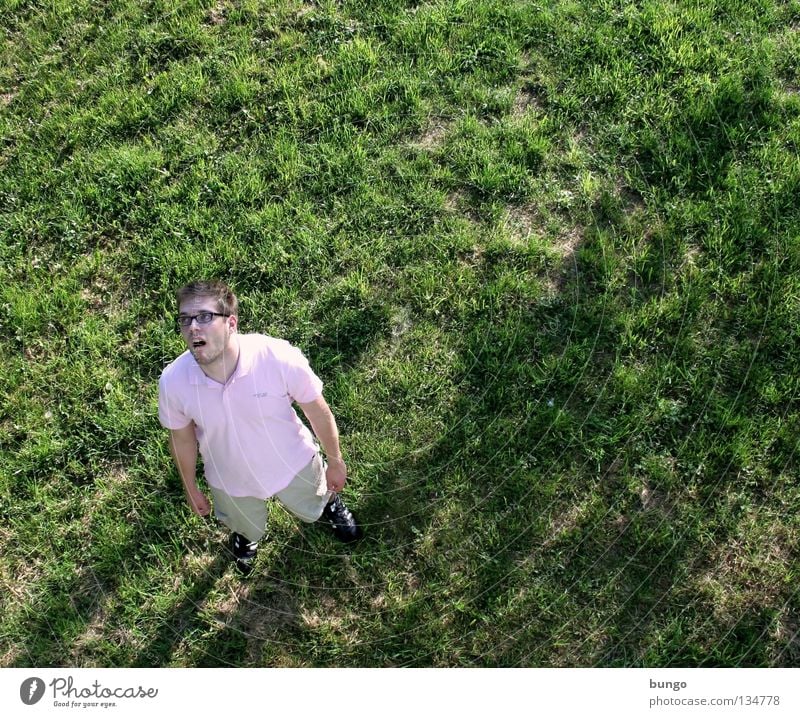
{"x": 198, "y": 343}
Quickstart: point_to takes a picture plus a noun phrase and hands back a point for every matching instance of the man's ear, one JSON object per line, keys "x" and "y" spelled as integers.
{"x": 233, "y": 322}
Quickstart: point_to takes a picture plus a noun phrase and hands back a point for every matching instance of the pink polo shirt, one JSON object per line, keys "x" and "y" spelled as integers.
{"x": 251, "y": 439}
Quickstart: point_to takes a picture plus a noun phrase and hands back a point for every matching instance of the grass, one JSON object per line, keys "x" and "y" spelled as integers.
{"x": 544, "y": 257}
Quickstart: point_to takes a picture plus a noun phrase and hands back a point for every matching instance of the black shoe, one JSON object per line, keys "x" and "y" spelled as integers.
{"x": 342, "y": 521}
{"x": 244, "y": 553}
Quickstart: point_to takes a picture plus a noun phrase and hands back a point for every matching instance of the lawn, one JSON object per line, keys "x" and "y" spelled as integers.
{"x": 545, "y": 256}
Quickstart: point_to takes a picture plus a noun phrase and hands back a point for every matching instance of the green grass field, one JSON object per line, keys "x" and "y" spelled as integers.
{"x": 545, "y": 256}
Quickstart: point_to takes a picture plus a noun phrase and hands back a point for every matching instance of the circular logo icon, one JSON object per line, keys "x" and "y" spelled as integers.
{"x": 32, "y": 690}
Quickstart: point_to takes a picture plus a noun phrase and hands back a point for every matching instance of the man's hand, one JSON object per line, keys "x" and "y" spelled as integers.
{"x": 198, "y": 502}
{"x": 336, "y": 475}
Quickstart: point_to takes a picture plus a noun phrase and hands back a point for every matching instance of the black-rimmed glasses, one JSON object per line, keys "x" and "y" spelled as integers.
{"x": 204, "y": 317}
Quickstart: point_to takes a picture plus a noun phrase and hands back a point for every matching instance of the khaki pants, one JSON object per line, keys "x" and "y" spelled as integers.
{"x": 305, "y": 497}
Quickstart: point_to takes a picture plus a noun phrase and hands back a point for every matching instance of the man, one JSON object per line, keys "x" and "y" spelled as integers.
{"x": 232, "y": 394}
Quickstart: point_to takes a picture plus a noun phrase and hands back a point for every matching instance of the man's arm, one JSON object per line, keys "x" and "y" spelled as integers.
{"x": 324, "y": 426}
{"x": 183, "y": 446}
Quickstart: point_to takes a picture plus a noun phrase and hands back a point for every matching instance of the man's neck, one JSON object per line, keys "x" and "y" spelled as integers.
{"x": 222, "y": 369}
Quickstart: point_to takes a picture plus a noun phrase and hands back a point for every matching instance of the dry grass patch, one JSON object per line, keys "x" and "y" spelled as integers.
{"x": 265, "y": 615}
{"x": 111, "y": 479}
{"x": 786, "y": 637}
{"x": 455, "y": 200}
{"x": 458, "y": 203}
{"x": 11, "y": 656}
{"x": 326, "y": 614}
{"x": 400, "y": 323}
{"x": 218, "y": 15}
{"x": 527, "y": 99}
{"x": 107, "y": 285}
{"x": 564, "y": 248}
{"x": 97, "y": 633}
{"x": 522, "y": 222}
{"x": 652, "y": 498}
{"x": 690, "y": 257}
{"x": 17, "y": 583}
{"x": 565, "y": 519}
{"x": 632, "y": 201}
{"x": 563, "y": 523}
{"x": 473, "y": 257}
{"x": 432, "y": 138}
{"x": 747, "y": 573}
{"x": 567, "y": 243}
{"x": 305, "y": 8}
{"x": 96, "y": 296}
{"x": 224, "y": 608}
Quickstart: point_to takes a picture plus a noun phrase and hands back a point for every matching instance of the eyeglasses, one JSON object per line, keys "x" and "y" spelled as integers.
{"x": 204, "y": 317}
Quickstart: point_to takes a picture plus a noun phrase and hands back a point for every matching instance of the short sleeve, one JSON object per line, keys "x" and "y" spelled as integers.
{"x": 302, "y": 384}
{"x": 170, "y": 414}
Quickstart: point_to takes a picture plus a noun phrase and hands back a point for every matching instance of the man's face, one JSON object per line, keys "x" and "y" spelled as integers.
{"x": 207, "y": 342}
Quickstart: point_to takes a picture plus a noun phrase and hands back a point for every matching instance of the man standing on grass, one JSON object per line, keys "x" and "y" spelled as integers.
{"x": 232, "y": 394}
